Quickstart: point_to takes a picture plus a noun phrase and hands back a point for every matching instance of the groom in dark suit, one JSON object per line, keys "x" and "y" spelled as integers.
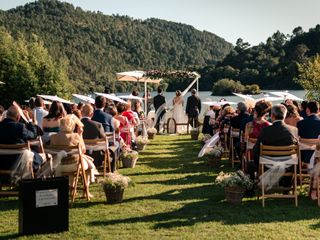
{"x": 193, "y": 108}
{"x": 159, "y": 101}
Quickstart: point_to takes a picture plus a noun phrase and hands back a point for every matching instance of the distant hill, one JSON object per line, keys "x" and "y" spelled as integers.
{"x": 271, "y": 65}
{"x": 96, "y": 46}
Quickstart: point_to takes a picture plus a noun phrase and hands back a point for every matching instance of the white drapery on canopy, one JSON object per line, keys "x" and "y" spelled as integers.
{"x": 138, "y": 76}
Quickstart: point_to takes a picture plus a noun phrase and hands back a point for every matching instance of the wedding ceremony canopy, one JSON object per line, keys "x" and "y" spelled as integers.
{"x": 138, "y": 76}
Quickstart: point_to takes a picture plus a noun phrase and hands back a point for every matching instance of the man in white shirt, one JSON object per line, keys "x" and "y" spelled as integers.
{"x": 39, "y": 112}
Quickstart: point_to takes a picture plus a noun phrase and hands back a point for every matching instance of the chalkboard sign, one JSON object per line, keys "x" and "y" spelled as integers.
{"x": 43, "y": 205}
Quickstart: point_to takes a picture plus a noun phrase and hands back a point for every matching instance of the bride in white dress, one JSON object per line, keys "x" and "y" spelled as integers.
{"x": 178, "y": 113}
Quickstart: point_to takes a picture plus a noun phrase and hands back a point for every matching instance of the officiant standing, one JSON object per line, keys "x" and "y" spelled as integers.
{"x": 193, "y": 108}
{"x": 159, "y": 103}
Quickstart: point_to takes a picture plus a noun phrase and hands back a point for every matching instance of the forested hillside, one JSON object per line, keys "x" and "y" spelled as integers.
{"x": 96, "y": 46}
{"x": 271, "y": 65}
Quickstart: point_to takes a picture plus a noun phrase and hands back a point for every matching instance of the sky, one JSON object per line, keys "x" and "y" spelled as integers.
{"x": 252, "y": 20}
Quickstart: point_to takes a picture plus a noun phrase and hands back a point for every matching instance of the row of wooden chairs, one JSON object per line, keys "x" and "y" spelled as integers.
{"x": 300, "y": 171}
{"x": 6, "y": 188}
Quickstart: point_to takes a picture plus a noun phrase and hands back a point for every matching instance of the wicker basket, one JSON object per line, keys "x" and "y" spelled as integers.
{"x": 129, "y": 162}
{"x": 114, "y": 195}
{"x": 234, "y": 194}
{"x": 151, "y": 135}
{"x": 141, "y": 147}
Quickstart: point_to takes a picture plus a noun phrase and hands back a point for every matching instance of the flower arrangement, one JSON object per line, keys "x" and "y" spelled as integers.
{"x": 152, "y": 130}
{"x": 114, "y": 181}
{"x": 216, "y": 152}
{"x": 206, "y": 137}
{"x": 232, "y": 179}
{"x": 154, "y": 74}
{"x": 129, "y": 154}
{"x": 142, "y": 140}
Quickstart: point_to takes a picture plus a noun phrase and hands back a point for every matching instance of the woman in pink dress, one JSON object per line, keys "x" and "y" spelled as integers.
{"x": 254, "y": 128}
{"x": 124, "y": 127}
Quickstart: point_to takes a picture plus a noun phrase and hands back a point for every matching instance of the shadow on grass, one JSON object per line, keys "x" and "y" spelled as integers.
{"x": 208, "y": 205}
{"x": 11, "y": 236}
{"x": 7, "y": 204}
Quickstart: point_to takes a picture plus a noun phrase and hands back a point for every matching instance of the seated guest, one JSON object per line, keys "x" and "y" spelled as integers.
{"x": 235, "y": 122}
{"x": 277, "y": 134}
{"x": 14, "y": 132}
{"x": 224, "y": 121}
{"x": 309, "y": 127}
{"x": 102, "y": 117}
{"x": 209, "y": 121}
{"x": 51, "y": 122}
{"x": 292, "y": 116}
{"x": 80, "y": 106}
{"x": 303, "y": 108}
{"x": 68, "y": 138}
{"x": 39, "y": 112}
{"x": 254, "y": 128}
{"x": 135, "y": 93}
{"x": 91, "y": 129}
{"x": 116, "y": 123}
{"x": 131, "y": 115}
{"x": 124, "y": 126}
{"x": 139, "y": 110}
{"x": 242, "y": 111}
{"x": 132, "y": 118}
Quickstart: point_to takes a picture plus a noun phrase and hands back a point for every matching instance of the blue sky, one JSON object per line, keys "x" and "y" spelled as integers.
{"x": 252, "y": 20}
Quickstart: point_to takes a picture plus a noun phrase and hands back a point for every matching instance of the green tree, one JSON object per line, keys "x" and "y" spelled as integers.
{"x": 225, "y": 87}
{"x": 309, "y": 77}
{"x": 27, "y": 69}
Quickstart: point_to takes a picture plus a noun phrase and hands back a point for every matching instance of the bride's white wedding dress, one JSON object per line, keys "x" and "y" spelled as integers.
{"x": 179, "y": 116}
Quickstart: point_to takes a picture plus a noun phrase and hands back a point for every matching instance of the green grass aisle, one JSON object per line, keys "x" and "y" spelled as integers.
{"x": 175, "y": 198}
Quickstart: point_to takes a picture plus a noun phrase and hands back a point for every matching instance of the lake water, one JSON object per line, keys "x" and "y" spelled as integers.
{"x": 206, "y": 96}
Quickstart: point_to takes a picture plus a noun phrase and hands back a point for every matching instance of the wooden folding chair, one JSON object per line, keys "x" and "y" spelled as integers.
{"x": 249, "y": 142}
{"x": 80, "y": 171}
{"x": 276, "y": 151}
{"x": 6, "y": 173}
{"x": 103, "y": 142}
{"x": 234, "y": 133}
{"x": 305, "y": 144}
{"x": 225, "y": 135}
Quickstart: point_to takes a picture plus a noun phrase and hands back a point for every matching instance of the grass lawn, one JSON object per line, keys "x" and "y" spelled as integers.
{"x": 175, "y": 198}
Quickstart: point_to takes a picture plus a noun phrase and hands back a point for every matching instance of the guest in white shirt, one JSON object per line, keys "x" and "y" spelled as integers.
{"x": 39, "y": 112}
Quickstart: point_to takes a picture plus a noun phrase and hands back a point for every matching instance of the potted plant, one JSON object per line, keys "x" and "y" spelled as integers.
{"x": 194, "y": 133}
{"x": 151, "y": 132}
{"x": 129, "y": 158}
{"x": 113, "y": 185}
{"x": 141, "y": 142}
{"x": 214, "y": 155}
{"x": 235, "y": 184}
